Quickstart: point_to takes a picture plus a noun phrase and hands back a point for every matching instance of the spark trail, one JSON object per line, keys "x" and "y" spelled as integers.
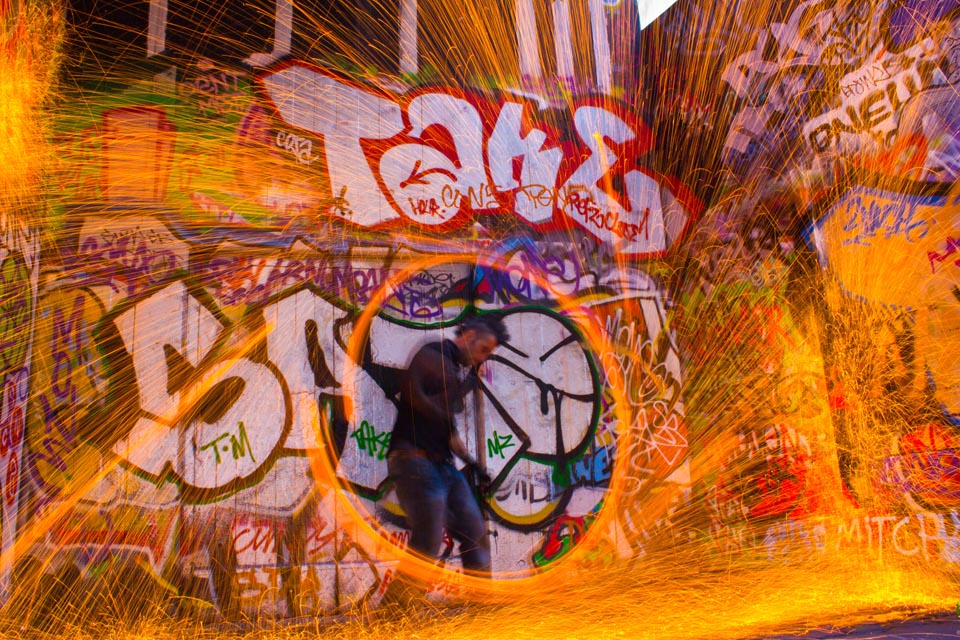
{"x": 723, "y": 246}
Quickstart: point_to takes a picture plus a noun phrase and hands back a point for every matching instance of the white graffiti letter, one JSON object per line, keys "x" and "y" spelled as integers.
{"x": 304, "y": 323}
{"x": 637, "y": 228}
{"x": 150, "y": 330}
{"x": 432, "y": 181}
{"x": 344, "y": 116}
{"x": 538, "y": 168}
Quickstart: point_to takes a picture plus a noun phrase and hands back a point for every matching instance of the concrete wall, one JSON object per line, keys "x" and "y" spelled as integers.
{"x": 751, "y": 350}
{"x": 193, "y": 366}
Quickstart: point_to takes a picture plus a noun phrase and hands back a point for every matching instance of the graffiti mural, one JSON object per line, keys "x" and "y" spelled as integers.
{"x": 910, "y": 337}
{"x": 424, "y": 176}
{"x": 224, "y": 415}
{"x": 194, "y": 336}
{"x": 19, "y": 272}
{"x": 729, "y": 283}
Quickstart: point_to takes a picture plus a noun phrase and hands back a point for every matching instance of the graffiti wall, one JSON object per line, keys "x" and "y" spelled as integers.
{"x": 211, "y": 402}
{"x": 823, "y": 255}
{"x": 729, "y": 292}
{"x": 24, "y": 74}
{"x": 19, "y": 268}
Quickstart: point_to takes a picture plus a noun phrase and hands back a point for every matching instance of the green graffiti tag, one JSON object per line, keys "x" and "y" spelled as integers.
{"x": 498, "y": 444}
{"x": 238, "y": 445}
{"x": 369, "y": 440}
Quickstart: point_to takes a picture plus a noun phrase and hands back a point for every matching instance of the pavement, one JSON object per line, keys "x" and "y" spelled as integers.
{"x": 941, "y": 625}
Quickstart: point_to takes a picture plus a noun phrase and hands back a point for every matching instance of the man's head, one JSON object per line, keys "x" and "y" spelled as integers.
{"x": 478, "y": 337}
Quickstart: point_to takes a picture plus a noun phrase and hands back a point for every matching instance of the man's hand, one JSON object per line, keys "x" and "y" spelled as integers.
{"x": 476, "y": 474}
{"x": 471, "y": 381}
{"x": 481, "y": 479}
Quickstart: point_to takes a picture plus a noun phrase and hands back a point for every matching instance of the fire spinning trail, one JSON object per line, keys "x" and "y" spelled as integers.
{"x": 722, "y": 239}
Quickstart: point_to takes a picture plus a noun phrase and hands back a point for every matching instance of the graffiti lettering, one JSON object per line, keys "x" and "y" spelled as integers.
{"x": 595, "y": 217}
{"x": 866, "y": 109}
{"x": 483, "y": 198}
{"x": 864, "y": 80}
{"x": 562, "y": 536}
{"x": 643, "y": 364}
{"x": 529, "y": 490}
{"x": 133, "y": 258}
{"x": 216, "y": 83}
{"x": 778, "y": 463}
{"x": 525, "y": 268}
{"x": 320, "y": 542}
{"x": 369, "y": 440}
{"x": 246, "y": 395}
{"x": 243, "y": 280}
{"x": 867, "y": 217}
{"x": 222, "y": 213}
{"x": 238, "y": 447}
{"x": 137, "y": 235}
{"x": 400, "y": 538}
{"x": 938, "y": 257}
{"x": 15, "y": 308}
{"x": 925, "y": 534}
{"x": 498, "y": 444}
{"x": 11, "y": 481}
{"x": 218, "y": 92}
{"x": 432, "y": 178}
{"x": 423, "y": 208}
{"x": 257, "y": 537}
{"x": 594, "y": 468}
{"x": 780, "y": 538}
{"x": 422, "y": 296}
{"x": 301, "y": 148}
{"x": 930, "y": 473}
{"x": 66, "y": 375}
{"x": 11, "y": 424}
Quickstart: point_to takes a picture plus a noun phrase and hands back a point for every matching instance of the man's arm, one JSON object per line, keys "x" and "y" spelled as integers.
{"x": 460, "y": 450}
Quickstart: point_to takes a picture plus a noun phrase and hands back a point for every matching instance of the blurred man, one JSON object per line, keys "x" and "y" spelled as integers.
{"x": 433, "y": 493}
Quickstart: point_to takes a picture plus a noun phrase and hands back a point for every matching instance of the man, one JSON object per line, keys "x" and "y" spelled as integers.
{"x": 433, "y": 493}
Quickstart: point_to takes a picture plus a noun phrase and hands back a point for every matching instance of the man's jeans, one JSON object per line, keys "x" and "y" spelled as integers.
{"x": 435, "y": 495}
